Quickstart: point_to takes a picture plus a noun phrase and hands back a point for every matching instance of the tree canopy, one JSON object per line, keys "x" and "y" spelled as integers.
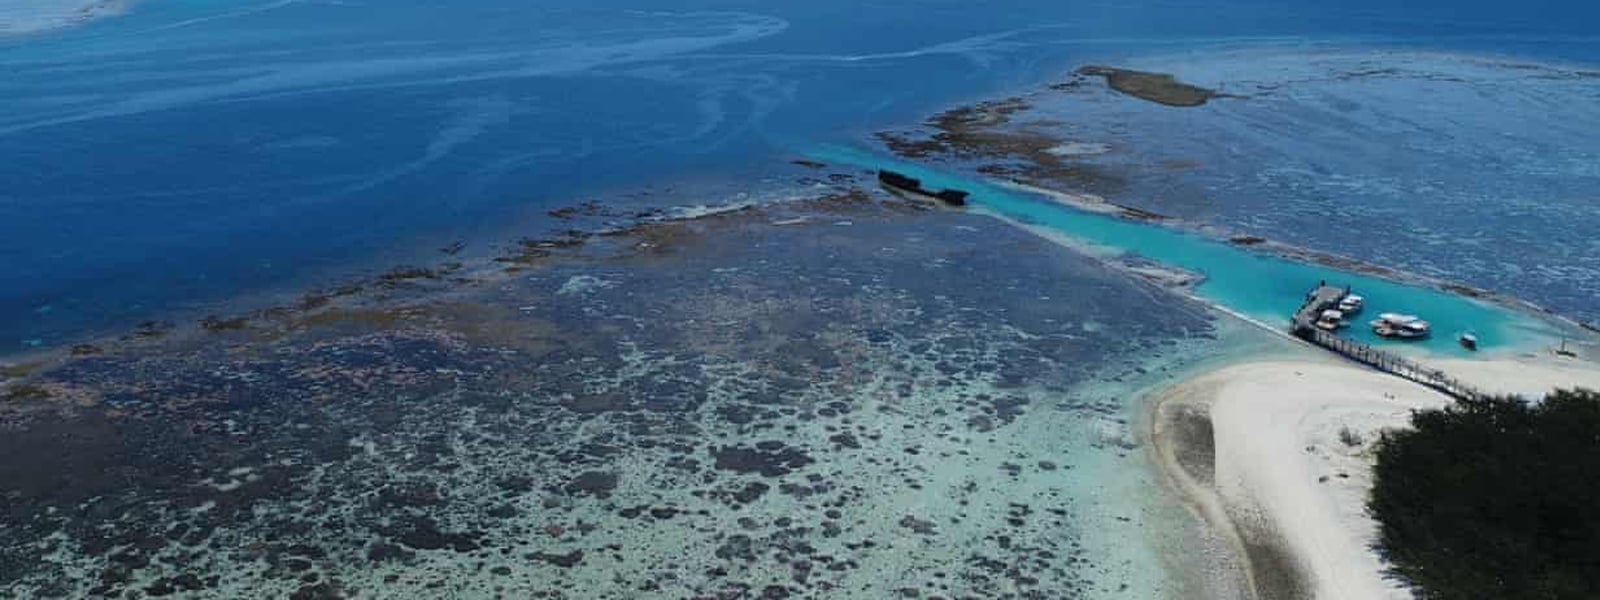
{"x": 1494, "y": 498}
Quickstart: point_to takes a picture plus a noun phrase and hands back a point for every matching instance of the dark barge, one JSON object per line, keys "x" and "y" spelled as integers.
{"x": 904, "y": 184}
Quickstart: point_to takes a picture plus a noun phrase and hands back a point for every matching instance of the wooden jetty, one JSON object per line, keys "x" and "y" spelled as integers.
{"x": 1324, "y": 297}
{"x": 1321, "y": 298}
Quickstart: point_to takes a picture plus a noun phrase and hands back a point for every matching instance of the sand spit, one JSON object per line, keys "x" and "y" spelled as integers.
{"x": 1277, "y": 457}
{"x": 1530, "y": 376}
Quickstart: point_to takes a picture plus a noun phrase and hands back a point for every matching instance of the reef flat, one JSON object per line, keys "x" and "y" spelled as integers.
{"x": 840, "y": 396}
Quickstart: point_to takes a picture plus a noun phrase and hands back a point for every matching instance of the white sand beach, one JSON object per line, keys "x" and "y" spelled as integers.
{"x": 1273, "y": 472}
{"x": 1530, "y": 377}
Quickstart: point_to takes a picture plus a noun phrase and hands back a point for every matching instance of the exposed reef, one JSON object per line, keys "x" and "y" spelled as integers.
{"x": 1160, "y": 88}
{"x": 990, "y": 134}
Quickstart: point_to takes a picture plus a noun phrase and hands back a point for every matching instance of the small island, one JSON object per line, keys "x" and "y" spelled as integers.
{"x": 1160, "y": 88}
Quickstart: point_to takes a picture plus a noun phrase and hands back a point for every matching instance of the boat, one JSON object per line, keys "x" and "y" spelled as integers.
{"x": 1399, "y": 326}
{"x": 1351, "y": 304}
{"x": 1468, "y": 340}
{"x": 907, "y": 185}
{"x": 1330, "y": 320}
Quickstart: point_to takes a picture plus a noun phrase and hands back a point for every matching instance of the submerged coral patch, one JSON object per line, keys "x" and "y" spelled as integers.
{"x": 813, "y": 409}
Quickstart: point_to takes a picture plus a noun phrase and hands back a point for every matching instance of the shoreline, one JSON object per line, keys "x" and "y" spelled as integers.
{"x": 1258, "y": 451}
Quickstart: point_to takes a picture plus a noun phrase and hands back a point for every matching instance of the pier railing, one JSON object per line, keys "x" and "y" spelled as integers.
{"x": 1390, "y": 363}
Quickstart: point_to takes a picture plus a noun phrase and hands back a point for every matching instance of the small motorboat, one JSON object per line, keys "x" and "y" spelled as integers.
{"x": 1468, "y": 340}
{"x": 1398, "y": 326}
{"x": 1351, "y": 304}
{"x": 1330, "y": 320}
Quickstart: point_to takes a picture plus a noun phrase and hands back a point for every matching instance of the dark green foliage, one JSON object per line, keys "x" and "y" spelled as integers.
{"x": 1494, "y": 498}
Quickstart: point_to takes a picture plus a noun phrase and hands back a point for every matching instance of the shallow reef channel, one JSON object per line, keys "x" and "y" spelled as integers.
{"x": 844, "y": 398}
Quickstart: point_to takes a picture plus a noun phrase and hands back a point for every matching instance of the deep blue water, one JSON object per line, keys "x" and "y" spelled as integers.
{"x": 194, "y": 151}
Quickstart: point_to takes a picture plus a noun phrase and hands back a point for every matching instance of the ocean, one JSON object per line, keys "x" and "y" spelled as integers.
{"x": 645, "y": 347}
{"x": 188, "y": 156}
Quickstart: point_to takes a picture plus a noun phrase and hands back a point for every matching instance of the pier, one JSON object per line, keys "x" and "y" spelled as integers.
{"x": 1317, "y": 300}
{"x": 1325, "y": 297}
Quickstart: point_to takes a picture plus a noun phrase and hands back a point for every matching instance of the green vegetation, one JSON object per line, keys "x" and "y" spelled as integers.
{"x": 1494, "y": 498}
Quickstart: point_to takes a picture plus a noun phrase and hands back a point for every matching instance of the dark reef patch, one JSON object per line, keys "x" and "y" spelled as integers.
{"x": 768, "y": 458}
{"x": 422, "y": 533}
{"x": 566, "y": 561}
{"x": 592, "y": 483}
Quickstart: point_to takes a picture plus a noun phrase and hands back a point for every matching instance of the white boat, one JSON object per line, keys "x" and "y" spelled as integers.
{"x": 1330, "y": 320}
{"x": 1396, "y": 325}
{"x": 1351, "y": 304}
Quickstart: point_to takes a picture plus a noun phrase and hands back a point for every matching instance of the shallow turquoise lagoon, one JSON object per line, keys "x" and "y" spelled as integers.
{"x": 1263, "y": 286}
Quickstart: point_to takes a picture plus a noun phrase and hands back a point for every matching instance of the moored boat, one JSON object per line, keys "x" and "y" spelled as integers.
{"x": 1468, "y": 340}
{"x": 1399, "y": 326}
{"x": 1330, "y": 320}
{"x": 1351, "y": 304}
